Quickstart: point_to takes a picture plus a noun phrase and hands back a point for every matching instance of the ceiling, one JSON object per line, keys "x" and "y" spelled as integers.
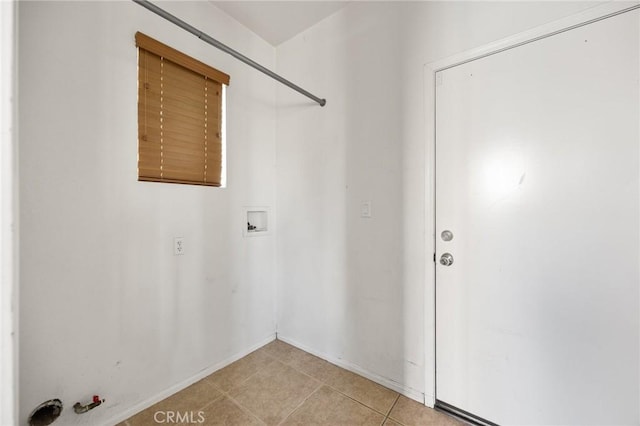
{"x": 278, "y": 21}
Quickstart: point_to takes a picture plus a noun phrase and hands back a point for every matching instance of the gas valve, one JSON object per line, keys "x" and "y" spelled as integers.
{"x": 79, "y": 408}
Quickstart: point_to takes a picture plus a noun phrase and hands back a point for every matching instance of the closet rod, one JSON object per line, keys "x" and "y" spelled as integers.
{"x": 215, "y": 43}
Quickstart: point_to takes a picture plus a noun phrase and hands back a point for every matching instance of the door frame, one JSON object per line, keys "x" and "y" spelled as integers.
{"x": 8, "y": 215}
{"x": 586, "y": 17}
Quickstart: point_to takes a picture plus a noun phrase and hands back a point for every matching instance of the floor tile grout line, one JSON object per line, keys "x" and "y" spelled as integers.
{"x": 182, "y": 392}
{"x": 337, "y": 390}
{"x": 237, "y": 384}
{"x": 303, "y": 401}
{"x": 285, "y": 359}
{"x": 278, "y": 359}
{"x": 390, "y": 410}
{"x": 340, "y": 392}
{"x": 393, "y": 405}
{"x": 288, "y": 363}
{"x": 212, "y": 401}
{"x": 293, "y": 367}
{"x": 245, "y": 409}
{"x": 235, "y": 401}
{"x": 323, "y": 382}
{"x": 306, "y": 374}
{"x": 297, "y": 370}
{"x": 271, "y": 356}
{"x": 355, "y": 400}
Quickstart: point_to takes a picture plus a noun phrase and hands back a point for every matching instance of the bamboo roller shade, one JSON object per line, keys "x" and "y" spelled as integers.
{"x": 179, "y": 116}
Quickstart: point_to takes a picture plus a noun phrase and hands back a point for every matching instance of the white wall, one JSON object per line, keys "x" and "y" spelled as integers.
{"x": 105, "y": 306}
{"x": 351, "y": 289}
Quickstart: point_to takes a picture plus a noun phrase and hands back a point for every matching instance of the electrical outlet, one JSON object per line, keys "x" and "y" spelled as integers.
{"x": 178, "y": 246}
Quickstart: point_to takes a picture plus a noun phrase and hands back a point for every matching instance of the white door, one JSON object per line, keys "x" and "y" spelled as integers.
{"x": 537, "y": 179}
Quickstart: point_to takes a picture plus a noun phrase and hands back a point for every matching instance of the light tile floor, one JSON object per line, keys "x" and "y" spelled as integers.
{"x": 281, "y": 385}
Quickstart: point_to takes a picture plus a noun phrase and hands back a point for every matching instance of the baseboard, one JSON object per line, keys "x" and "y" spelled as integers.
{"x": 186, "y": 383}
{"x": 388, "y": 383}
{"x": 429, "y": 400}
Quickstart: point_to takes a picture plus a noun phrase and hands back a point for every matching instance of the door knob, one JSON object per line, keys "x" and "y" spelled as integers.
{"x": 446, "y": 259}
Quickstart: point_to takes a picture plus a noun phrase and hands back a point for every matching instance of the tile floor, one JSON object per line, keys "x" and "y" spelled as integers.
{"x": 281, "y": 385}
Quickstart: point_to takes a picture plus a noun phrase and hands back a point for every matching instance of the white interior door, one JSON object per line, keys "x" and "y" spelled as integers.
{"x": 537, "y": 178}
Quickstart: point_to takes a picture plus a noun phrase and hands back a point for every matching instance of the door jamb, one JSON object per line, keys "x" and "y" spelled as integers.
{"x": 586, "y": 17}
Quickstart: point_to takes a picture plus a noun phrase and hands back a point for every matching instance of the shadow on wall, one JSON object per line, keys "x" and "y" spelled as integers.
{"x": 344, "y": 292}
{"x": 374, "y": 195}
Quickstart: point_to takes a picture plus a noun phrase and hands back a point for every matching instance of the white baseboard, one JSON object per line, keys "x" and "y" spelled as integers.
{"x": 414, "y": 394}
{"x": 429, "y": 400}
{"x": 186, "y": 383}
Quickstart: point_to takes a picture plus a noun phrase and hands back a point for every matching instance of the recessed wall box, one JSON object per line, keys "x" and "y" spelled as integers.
{"x": 255, "y": 221}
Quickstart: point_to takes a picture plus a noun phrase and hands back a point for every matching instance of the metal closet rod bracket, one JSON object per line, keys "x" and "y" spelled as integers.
{"x": 215, "y": 43}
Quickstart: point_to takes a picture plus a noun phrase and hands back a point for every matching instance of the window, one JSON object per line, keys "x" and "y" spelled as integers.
{"x": 179, "y": 116}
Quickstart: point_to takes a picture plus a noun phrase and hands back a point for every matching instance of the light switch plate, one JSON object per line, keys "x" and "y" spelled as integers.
{"x": 365, "y": 209}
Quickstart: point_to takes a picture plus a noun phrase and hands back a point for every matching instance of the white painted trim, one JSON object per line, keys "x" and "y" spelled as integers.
{"x": 186, "y": 383}
{"x": 429, "y": 232}
{"x": 8, "y": 216}
{"x": 388, "y": 383}
{"x": 595, "y": 13}
{"x": 430, "y": 70}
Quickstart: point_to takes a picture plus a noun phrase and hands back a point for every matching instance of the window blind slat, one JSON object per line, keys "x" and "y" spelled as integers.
{"x": 173, "y": 151}
{"x": 203, "y": 183}
{"x": 149, "y": 171}
{"x": 179, "y": 162}
{"x": 181, "y": 152}
{"x": 181, "y": 139}
{"x": 178, "y": 100}
{"x": 180, "y": 175}
{"x": 156, "y": 78}
{"x": 192, "y": 130}
{"x": 185, "y": 98}
{"x": 186, "y": 108}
